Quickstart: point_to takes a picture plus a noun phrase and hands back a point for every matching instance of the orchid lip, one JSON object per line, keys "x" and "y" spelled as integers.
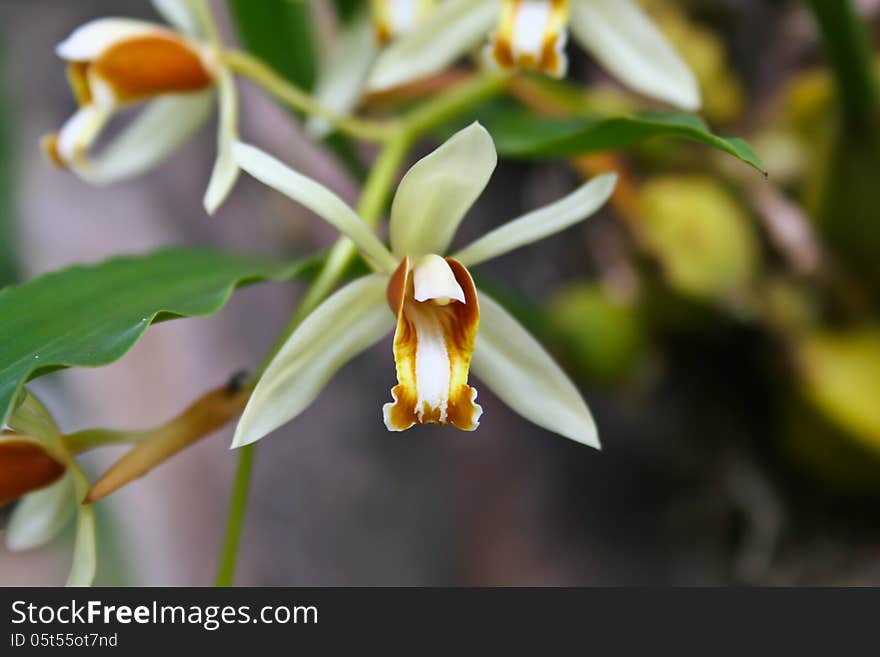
{"x": 531, "y": 35}
{"x": 433, "y": 345}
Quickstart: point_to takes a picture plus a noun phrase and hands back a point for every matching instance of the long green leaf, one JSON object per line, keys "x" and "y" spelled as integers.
{"x": 280, "y": 33}
{"x": 346, "y": 9}
{"x": 519, "y": 132}
{"x": 91, "y": 316}
{"x": 7, "y": 213}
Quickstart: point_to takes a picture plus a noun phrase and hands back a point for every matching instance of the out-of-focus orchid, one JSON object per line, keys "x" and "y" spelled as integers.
{"x": 434, "y": 304}
{"x": 114, "y": 63}
{"x": 342, "y": 79}
{"x": 531, "y": 35}
{"x": 38, "y": 471}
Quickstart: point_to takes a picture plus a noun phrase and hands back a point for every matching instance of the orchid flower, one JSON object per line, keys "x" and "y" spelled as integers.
{"x": 342, "y": 79}
{"x": 532, "y": 34}
{"x": 114, "y": 63}
{"x": 442, "y": 324}
{"x": 38, "y": 472}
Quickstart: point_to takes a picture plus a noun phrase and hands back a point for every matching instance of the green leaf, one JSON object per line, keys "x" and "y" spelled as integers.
{"x": 91, "y": 316}
{"x": 518, "y": 132}
{"x": 346, "y": 9}
{"x": 7, "y": 214}
{"x": 280, "y": 33}
{"x": 841, "y": 375}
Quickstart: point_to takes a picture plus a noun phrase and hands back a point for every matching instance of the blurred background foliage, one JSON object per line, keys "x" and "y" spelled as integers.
{"x": 7, "y": 212}
{"x": 724, "y": 325}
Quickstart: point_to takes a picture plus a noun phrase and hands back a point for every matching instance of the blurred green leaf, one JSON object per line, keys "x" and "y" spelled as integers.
{"x": 519, "y": 132}
{"x": 822, "y": 450}
{"x": 848, "y": 49}
{"x": 91, "y": 316}
{"x": 700, "y": 235}
{"x": 346, "y": 9}
{"x": 602, "y": 336}
{"x": 841, "y": 375}
{"x": 280, "y": 32}
{"x": 7, "y": 211}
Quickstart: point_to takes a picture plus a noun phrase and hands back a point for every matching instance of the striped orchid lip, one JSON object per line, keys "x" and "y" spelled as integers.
{"x": 395, "y": 18}
{"x": 113, "y": 63}
{"x": 532, "y": 34}
{"x": 444, "y": 327}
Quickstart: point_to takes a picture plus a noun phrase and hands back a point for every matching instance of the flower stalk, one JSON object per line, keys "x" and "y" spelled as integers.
{"x": 849, "y": 53}
{"x": 261, "y": 74}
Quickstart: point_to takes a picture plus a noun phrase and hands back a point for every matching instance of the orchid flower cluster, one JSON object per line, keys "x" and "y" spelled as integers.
{"x": 444, "y": 327}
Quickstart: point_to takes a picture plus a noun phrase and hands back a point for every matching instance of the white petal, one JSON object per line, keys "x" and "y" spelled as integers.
{"x": 342, "y": 78}
{"x": 85, "y": 558}
{"x": 452, "y": 29}
{"x": 226, "y": 170}
{"x": 78, "y": 134}
{"x": 540, "y": 223}
{"x": 87, "y": 42}
{"x": 181, "y": 15}
{"x": 346, "y": 324}
{"x": 164, "y": 125}
{"x": 433, "y": 280}
{"x": 438, "y": 190}
{"x": 524, "y": 376}
{"x": 314, "y": 196}
{"x": 622, "y": 37}
{"x": 40, "y": 516}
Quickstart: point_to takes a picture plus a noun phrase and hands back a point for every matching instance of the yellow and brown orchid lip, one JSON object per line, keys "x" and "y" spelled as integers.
{"x": 438, "y": 314}
{"x": 531, "y": 36}
{"x": 394, "y": 18}
{"x": 25, "y": 467}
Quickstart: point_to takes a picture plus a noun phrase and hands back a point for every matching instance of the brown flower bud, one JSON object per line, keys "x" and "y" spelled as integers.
{"x": 25, "y": 467}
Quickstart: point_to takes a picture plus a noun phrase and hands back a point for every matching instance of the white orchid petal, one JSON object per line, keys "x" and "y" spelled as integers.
{"x": 89, "y": 41}
{"x": 450, "y": 31}
{"x": 85, "y": 558}
{"x": 40, "y": 516}
{"x": 434, "y": 280}
{"x": 350, "y": 321}
{"x": 314, "y": 196}
{"x": 72, "y": 143}
{"x": 524, "y": 376}
{"x": 342, "y": 78}
{"x": 438, "y": 190}
{"x": 622, "y": 37}
{"x": 164, "y": 125}
{"x": 181, "y": 15}
{"x": 540, "y": 223}
{"x": 226, "y": 170}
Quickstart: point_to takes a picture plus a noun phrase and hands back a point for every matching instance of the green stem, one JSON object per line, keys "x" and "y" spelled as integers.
{"x": 255, "y": 70}
{"x": 375, "y": 194}
{"x": 235, "y": 517}
{"x": 454, "y": 103}
{"x": 849, "y": 53}
{"x": 82, "y": 441}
